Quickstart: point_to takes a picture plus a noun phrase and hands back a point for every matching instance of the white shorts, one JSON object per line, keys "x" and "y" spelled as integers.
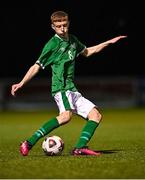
{"x": 73, "y": 101}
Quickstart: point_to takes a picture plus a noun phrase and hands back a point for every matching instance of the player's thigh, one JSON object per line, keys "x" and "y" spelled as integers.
{"x": 62, "y": 101}
{"x": 84, "y": 107}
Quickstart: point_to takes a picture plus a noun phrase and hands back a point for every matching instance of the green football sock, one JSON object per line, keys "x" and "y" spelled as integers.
{"x": 44, "y": 130}
{"x": 87, "y": 133}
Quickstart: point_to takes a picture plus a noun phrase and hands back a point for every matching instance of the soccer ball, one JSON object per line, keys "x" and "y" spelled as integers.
{"x": 53, "y": 145}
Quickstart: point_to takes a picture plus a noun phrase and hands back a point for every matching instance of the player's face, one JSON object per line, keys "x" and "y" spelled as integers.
{"x": 61, "y": 28}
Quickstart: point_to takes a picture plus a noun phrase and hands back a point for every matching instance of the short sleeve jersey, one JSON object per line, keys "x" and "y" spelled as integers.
{"x": 60, "y": 54}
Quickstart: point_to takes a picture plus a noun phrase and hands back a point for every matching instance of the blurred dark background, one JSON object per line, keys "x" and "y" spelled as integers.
{"x": 25, "y": 28}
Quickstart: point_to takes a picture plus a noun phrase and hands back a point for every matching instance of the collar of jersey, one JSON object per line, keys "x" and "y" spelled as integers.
{"x": 56, "y": 35}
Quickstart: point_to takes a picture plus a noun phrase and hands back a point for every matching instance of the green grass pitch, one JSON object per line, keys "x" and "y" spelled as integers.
{"x": 121, "y": 136}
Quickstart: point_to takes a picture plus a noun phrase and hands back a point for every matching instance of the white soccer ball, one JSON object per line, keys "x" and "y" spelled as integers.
{"x": 53, "y": 145}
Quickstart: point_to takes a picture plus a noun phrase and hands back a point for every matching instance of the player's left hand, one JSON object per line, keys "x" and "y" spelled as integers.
{"x": 114, "y": 40}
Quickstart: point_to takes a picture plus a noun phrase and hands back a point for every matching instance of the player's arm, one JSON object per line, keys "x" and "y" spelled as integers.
{"x": 97, "y": 48}
{"x": 33, "y": 70}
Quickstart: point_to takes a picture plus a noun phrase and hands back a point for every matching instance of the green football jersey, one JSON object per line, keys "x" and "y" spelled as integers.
{"x": 60, "y": 54}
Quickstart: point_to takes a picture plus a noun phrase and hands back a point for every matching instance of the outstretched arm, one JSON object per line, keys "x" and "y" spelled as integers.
{"x": 95, "y": 49}
{"x": 33, "y": 70}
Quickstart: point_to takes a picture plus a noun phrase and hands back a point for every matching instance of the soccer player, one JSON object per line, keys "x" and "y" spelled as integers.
{"x": 60, "y": 53}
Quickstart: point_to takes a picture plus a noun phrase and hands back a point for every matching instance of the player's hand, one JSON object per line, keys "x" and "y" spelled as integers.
{"x": 15, "y": 88}
{"x": 114, "y": 40}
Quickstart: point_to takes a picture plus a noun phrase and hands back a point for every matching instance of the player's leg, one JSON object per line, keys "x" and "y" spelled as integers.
{"x": 94, "y": 118}
{"x": 47, "y": 127}
{"x": 42, "y": 131}
{"x": 89, "y": 111}
{"x": 50, "y": 125}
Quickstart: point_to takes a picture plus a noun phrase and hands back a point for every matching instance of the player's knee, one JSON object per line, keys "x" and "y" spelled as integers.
{"x": 95, "y": 115}
{"x": 64, "y": 117}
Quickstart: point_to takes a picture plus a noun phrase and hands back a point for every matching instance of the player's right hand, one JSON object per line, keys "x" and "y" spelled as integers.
{"x": 14, "y": 88}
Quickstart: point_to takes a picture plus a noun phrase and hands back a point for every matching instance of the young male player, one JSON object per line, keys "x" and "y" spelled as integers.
{"x": 60, "y": 53}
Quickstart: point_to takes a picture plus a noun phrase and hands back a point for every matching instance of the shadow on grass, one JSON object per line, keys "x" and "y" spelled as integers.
{"x": 111, "y": 151}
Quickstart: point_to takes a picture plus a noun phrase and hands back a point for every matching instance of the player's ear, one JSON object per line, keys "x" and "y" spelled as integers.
{"x": 52, "y": 26}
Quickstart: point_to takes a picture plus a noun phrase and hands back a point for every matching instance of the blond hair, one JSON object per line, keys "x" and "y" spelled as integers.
{"x": 59, "y": 16}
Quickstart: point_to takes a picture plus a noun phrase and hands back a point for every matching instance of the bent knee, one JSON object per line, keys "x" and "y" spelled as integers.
{"x": 64, "y": 117}
{"x": 95, "y": 115}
